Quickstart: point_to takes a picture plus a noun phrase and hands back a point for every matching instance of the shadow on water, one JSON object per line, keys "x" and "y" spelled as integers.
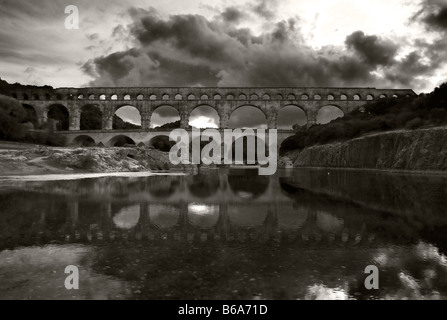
{"x": 301, "y": 234}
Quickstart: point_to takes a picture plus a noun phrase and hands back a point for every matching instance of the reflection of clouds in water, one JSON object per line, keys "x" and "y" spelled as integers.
{"x": 427, "y": 251}
{"x": 321, "y": 292}
{"x": 246, "y": 215}
{"x": 127, "y": 218}
{"x": 40, "y": 273}
{"x": 245, "y": 194}
{"x": 424, "y": 284}
{"x": 203, "y": 215}
{"x": 164, "y": 216}
{"x": 327, "y": 222}
{"x": 290, "y": 217}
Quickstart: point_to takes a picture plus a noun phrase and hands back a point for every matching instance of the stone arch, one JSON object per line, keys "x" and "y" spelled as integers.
{"x": 329, "y": 113}
{"x": 204, "y": 97}
{"x": 164, "y": 115}
{"x": 266, "y": 97}
{"x": 395, "y": 96}
{"x": 178, "y": 97}
{"x": 164, "y": 186}
{"x": 291, "y": 115}
{"x": 60, "y": 115}
{"x": 382, "y": 96}
{"x": 278, "y": 97}
{"x": 90, "y": 117}
{"x": 153, "y": 97}
{"x": 253, "y": 116}
{"x": 247, "y": 147}
{"x": 254, "y": 97}
{"x": 248, "y": 187}
{"x": 217, "y": 97}
{"x": 242, "y": 96}
{"x": 191, "y": 96}
{"x": 120, "y": 141}
{"x": 140, "y": 97}
{"x": 330, "y": 97}
{"x": 203, "y": 215}
{"x": 84, "y": 141}
{"x": 165, "y": 96}
{"x": 81, "y": 97}
{"x": 132, "y": 117}
{"x": 161, "y": 142}
{"x": 127, "y": 97}
{"x": 164, "y": 216}
{"x": 127, "y": 217}
{"x": 357, "y": 97}
{"x": 31, "y": 114}
{"x": 254, "y": 215}
{"x": 203, "y": 185}
{"x": 369, "y": 97}
{"x": 114, "y": 97}
{"x": 102, "y": 97}
{"x": 201, "y": 115}
{"x": 291, "y": 96}
{"x": 317, "y": 97}
{"x": 343, "y": 97}
{"x": 304, "y": 97}
{"x": 90, "y": 97}
{"x": 230, "y": 97}
{"x": 36, "y": 96}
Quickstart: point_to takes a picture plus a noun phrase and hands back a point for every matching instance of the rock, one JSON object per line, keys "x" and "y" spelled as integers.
{"x": 422, "y": 149}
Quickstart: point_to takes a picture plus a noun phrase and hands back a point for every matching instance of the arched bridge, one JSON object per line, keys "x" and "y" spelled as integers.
{"x": 224, "y": 101}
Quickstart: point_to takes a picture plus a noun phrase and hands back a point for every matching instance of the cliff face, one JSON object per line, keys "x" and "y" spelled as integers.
{"x": 423, "y": 149}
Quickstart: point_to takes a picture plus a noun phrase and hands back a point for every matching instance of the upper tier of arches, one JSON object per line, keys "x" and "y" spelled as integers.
{"x": 212, "y": 94}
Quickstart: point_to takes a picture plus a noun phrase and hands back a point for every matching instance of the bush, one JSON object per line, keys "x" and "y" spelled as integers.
{"x": 414, "y": 124}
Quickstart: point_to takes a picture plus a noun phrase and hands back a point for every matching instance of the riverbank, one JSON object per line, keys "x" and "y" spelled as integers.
{"x": 413, "y": 150}
{"x": 40, "y": 160}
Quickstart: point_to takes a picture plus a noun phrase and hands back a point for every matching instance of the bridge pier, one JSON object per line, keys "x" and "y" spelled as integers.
{"x": 107, "y": 118}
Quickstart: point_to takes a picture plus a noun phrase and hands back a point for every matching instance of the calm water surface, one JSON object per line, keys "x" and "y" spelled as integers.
{"x": 220, "y": 234}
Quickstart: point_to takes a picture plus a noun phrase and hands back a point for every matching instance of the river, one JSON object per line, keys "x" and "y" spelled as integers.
{"x": 226, "y": 234}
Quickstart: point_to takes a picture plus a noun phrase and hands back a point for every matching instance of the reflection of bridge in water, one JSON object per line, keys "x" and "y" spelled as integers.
{"x": 206, "y": 208}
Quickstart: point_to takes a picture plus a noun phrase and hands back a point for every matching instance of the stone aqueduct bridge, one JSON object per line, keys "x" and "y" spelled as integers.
{"x": 224, "y": 100}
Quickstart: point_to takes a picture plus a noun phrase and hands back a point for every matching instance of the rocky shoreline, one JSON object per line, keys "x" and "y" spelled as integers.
{"x": 51, "y": 160}
{"x": 415, "y": 150}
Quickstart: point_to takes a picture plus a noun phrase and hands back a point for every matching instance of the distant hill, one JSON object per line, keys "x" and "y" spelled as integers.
{"x": 5, "y": 87}
{"x": 171, "y": 125}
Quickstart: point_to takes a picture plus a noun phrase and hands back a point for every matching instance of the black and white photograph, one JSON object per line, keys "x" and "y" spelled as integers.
{"x": 241, "y": 151}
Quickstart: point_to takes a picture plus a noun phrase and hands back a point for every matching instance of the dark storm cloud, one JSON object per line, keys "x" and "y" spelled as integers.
{"x": 265, "y": 8}
{"x": 116, "y": 65}
{"x": 191, "y": 50}
{"x": 371, "y": 49}
{"x": 191, "y": 33}
{"x": 232, "y": 14}
{"x": 404, "y": 71}
{"x": 434, "y": 14}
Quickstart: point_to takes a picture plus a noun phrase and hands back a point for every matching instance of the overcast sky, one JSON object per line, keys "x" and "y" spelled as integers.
{"x": 379, "y": 43}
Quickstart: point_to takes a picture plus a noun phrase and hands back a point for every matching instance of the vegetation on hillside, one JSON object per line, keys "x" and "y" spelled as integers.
{"x": 15, "y": 125}
{"x": 383, "y": 115}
